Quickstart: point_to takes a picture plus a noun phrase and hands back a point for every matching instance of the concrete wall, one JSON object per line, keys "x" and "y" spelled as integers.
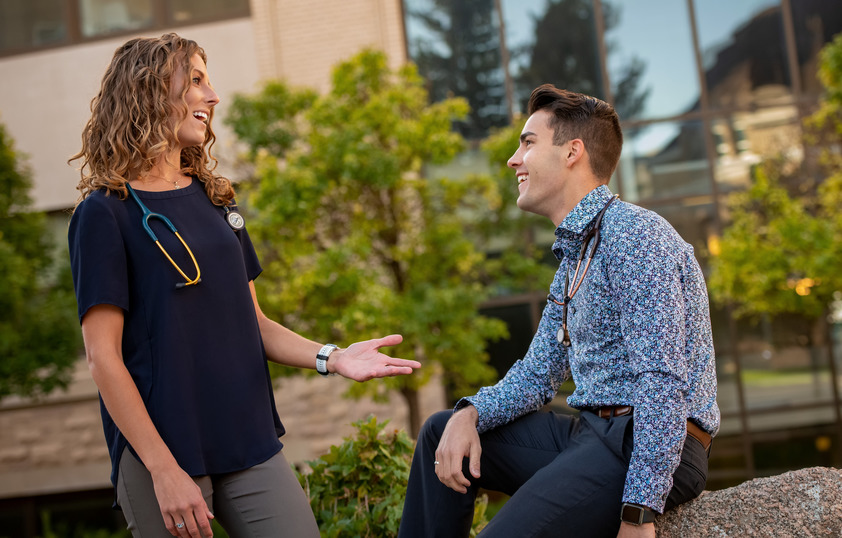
{"x": 57, "y": 445}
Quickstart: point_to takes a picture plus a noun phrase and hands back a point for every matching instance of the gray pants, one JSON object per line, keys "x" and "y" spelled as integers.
{"x": 264, "y": 500}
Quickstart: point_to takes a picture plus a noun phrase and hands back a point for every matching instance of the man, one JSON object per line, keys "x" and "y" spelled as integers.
{"x": 627, "y": 318}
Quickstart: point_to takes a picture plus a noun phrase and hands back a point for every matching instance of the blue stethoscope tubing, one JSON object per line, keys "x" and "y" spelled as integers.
{"x": 147, "y": 215}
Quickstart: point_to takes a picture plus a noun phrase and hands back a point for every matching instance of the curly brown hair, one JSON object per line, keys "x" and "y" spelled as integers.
{"x": 130, "y": 127}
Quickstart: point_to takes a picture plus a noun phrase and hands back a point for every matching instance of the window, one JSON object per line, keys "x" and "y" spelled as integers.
{"x": 27, "y": 25}
{"x": 456, "y": 46}
{"x": 650, "y": 58}
{"x": 816, "y": 22}
{"x": 182, "y": 11}
{"x": 664, "y": 161}
{"x": 744, "y": 52}
{"x": 103, "y": 17}
{"x": 540, "y": 53}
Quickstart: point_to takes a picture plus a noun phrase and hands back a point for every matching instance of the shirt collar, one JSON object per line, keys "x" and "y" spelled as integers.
{"x": 577, "y": 221}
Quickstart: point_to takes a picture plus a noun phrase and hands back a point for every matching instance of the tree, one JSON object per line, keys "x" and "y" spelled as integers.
{"x": 781, "y": 252}
{"x": 39, "y": 335}
{"x": 356, "y": 242}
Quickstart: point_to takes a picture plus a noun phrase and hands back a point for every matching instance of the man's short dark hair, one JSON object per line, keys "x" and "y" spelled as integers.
{"x": 575, "y": 115}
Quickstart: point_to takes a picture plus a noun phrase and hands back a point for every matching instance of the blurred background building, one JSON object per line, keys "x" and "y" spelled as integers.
{"x": 705, "y": 90}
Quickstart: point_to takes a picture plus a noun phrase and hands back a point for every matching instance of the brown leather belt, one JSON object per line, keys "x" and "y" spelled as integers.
{"x": 693, "y": 430}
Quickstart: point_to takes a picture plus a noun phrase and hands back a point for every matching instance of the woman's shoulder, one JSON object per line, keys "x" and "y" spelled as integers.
{"x": 99, "y": 204}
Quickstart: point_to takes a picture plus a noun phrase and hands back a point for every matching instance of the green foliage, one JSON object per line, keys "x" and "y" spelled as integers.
{"x": 39, "y": 335}
{"x": 772, "y": 253}
{"x": 355, "y": 241}
{"x": 358, "y": 488}
{"x": 781, "y": 253}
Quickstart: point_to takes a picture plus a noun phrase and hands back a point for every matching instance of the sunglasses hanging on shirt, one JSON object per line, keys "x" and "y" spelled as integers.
{"x": 594, "y": 234}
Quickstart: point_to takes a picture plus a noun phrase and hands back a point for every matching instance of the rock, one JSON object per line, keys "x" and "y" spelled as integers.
{"x": 797, "y": 504}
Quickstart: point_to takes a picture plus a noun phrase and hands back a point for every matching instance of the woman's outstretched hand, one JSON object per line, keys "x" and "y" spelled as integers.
{"x": 363, "y": 361}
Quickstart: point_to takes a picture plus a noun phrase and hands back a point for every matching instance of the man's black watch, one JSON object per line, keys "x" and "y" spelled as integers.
{"x": 322, "y": 357}
{"x": 636, "y": 514}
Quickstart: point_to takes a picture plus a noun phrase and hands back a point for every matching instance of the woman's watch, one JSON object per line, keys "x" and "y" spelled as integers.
{"x": 321, "y": 358}
{"x": 636, "y": 514}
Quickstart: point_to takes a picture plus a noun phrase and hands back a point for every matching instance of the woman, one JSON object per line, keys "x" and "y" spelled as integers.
{"x": 173, "y": 332}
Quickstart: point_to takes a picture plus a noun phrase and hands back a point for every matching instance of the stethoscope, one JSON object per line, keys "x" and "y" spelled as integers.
{"x": 593, "y": 234}
{"x": 234, "y": 219}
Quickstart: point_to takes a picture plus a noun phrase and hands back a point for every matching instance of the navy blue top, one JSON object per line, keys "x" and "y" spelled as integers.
{"x": 195, "y": 353}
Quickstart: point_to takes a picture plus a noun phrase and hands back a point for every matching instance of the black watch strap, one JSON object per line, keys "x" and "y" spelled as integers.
{"x": 636, "y": 514}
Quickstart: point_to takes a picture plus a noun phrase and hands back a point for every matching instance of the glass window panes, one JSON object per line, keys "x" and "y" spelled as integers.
{"x": 650, "y": 60}
{"x": 664, "y": 161}
{"x": 784, "y": 363}
{"x": 744, "y": 52}
{"x": 456, "y": 45}
{"x": 816, "y": 22}
{"x": 541, "y": 52}
{"x": 744, "y": 139}
{"x": 519, "y": 320}
{"x": 182, "y": 11}
{"x": 103, "y": 17}
{"x": 28, "y": 24}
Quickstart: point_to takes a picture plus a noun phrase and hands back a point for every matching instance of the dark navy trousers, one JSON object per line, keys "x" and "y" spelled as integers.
{"x": 565, "y": 476}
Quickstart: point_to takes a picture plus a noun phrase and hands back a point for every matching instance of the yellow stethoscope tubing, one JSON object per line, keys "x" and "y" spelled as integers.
{"x": 147, "y": 214}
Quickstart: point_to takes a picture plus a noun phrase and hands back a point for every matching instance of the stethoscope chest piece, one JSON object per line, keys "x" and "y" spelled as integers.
{"x": 234, "y": 219}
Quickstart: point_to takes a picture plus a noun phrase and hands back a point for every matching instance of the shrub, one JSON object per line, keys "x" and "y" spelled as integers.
{"x": 358, "y": 488}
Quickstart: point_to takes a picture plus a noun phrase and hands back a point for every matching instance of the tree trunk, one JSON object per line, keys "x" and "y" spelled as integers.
{"x": 411, "y": 397}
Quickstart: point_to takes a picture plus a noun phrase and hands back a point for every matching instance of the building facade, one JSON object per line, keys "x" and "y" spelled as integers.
{"x": 705, "y": 90}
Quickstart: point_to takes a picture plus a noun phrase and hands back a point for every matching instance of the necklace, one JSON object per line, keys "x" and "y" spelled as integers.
{"x": 174, "y": 183}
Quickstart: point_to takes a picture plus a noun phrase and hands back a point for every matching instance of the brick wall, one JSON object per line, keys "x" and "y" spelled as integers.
{"x": 299, "y": 41}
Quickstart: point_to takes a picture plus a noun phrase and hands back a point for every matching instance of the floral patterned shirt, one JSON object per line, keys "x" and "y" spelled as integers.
{"x": 641, "y": 336}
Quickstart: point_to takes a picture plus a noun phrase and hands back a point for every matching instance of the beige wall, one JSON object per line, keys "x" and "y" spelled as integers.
{"x": 297, "y": 40}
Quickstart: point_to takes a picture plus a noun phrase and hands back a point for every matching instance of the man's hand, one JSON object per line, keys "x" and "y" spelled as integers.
{"x": 363, "y": 361}
{"x": 627, "y": 530}
{"x": 460, "y": 439}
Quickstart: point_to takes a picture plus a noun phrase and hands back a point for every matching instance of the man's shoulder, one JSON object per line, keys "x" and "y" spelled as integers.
{"x": 631, "y": 227}
{"x": 630, "y": 217}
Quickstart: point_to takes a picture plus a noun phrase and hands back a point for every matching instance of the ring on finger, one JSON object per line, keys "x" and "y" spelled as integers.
{"x": 436, "y": 462}
{"x": 179, "y": 525}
